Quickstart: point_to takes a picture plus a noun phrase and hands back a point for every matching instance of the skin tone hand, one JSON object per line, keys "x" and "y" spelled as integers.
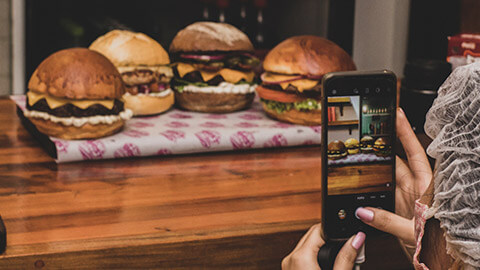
{"x": 413, "y": 177}
{"x": 304, "y": 256}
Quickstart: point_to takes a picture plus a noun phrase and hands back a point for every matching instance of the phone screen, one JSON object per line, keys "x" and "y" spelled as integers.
{"x": 358, "y": 138}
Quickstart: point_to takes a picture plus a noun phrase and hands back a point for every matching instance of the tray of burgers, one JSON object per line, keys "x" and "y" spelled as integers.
{"x": 125, "y": 96}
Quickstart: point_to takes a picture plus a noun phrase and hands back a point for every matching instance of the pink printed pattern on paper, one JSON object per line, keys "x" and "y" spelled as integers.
{"x": 128, "y": 150}
{"x": 140, "y": 124}
{"x": 176, "y": 124}
{"x": 242, "y": 140}
{"x": 216, "y": 116}
{"x": 246, "y": 125}
{"x": 164, "y": 152}
{"x": 282, "y": 125}
{"x": 92, "y": 149}
{"x": 62, "y": 146}
{"x": 277, "y": 140}
{"x": 208, "y": 138}
{"x": 211, "y": 125}
{"x": 136, "y": 133}
{"x": 317, "y": 129}
{"x": 251, "y": 116}
{"x": 308, "y": 142}
{"x": 180, "y": 116}
{"x": 173, "y": 135}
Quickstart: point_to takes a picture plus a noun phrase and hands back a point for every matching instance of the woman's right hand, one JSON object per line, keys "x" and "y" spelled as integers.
{"x": 412, "y": 179}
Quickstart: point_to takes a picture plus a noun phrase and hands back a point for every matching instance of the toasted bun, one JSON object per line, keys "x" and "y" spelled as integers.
{"x": 307, "y": 55}
{"x": 312, "y": 118}
{"x": 87, "y": 131}
{"x": 210, "y": 36}
{"x": 382, "y": 141}
{"x": 352, "y": 142}
{"x": 213, "y": 103}
{"x": 336, "y": 146}
{"x": 148, "y": 105}
{"x": 126, "y": 48}
{"x": 77, "y": 73}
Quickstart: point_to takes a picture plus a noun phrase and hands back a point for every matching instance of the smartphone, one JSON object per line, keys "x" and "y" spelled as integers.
{"x": 358, "y": 142}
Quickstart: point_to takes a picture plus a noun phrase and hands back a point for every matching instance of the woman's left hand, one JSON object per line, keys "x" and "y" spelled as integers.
{"x": 304, "y": 256}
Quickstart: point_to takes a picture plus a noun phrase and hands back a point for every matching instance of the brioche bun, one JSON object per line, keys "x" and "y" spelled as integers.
{"x": 77, "y": 73}
{"x": 126, "y": 48}
{"x": 213, "y": 103}
{"x": 142, "y": 105}
{"x": 307, "y": 55}
{"x": 209, "y": 37}
{"x": 87, "y": 131}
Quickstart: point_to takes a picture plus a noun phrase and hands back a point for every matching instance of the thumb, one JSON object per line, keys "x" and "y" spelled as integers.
{"x": 347, "y": 255}
{"x": 388, "y": 222}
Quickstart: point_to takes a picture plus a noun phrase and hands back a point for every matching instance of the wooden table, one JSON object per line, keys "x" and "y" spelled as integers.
{"x": 222, "y": 210}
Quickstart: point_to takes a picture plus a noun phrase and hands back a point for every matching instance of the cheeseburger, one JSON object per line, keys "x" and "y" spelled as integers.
{"x": 76, "y": 94}
{"x": 213, "y": 70}
{"x": 291, "y": 85}
{"x": 336, "y": 150}
{"x": 382, "y": 147}
{"x": 352, "y": 146}
{"x": 144, "y": 66}
{"x": 366, "y": 144}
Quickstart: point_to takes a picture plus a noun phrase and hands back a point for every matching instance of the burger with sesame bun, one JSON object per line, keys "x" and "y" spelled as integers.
{"x": 213, "y": 69}
{"x": 291, "y": 84}
{"x": 144, "y": 66}
{"x": 76, "y": 94}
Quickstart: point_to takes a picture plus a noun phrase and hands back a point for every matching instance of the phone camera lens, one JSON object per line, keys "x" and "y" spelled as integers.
{"x": 355, "y": 91}
{"x": 334, "y": 92}
{"x": 377, "y": 90}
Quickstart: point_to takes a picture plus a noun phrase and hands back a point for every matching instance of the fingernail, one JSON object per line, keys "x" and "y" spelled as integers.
{"x": 400, "y": 110}
{"x": 358, "y": 240}
{"x": 364, "y": 214}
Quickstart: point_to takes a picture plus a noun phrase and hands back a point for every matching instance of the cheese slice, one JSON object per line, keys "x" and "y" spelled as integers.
{"x": 229, "y": 75}
{"x": 55, "y": 102}
{"x": 300, "y": 84}
{"x": 166, "y": 70}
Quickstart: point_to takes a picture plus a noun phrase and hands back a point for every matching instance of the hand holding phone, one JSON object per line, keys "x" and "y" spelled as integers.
{"x": 358, "y": 160}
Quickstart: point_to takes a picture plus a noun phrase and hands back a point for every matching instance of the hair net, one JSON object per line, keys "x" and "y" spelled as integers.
{"x": 453, "y": 122}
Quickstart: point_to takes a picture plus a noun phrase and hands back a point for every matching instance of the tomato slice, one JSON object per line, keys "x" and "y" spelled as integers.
{"x": 275, "y": 95}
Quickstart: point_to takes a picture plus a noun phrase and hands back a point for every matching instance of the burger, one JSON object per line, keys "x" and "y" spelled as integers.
{"x": 291, "y": 84}
{"x": 366, "y": 144}
{"x": 382, "y": 147}
{"x": 144, "y": 66}
{"x": 336, "y": 150}
{"x": 213, "y": 69}
{"x": 76, "y": 94}
{"x": 352, "y": 146}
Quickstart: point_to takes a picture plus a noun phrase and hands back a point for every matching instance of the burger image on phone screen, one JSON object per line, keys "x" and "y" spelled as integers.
{"x": 76, "y": 94}
{"x": 366, "y": 144}
{"x": 336, "y": 150}
{"x": 352, "y": 146}
{"x": 291, "y": 85}
{"x": 144, "y": 66}
{"x": 382, "y": 147}
{"x": 213, "y": 69}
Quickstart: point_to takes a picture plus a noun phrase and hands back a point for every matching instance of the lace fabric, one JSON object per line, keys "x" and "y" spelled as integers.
{"x": 453, "y": 122}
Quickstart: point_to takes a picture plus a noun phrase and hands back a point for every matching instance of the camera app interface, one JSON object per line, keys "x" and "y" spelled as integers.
{"x": 359, "y": 137}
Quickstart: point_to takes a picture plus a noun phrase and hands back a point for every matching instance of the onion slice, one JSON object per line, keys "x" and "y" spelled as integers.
{"x": 202, "y": 57}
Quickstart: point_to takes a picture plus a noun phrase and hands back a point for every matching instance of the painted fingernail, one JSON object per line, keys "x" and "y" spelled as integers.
{"x": 400, "y": 110}
{"x": 358, "y": 240}
{"x": 364, "y": 214}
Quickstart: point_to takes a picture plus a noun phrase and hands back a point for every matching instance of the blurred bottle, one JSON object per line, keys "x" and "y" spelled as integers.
{"x": 222, "y": 7}
{"x": 260, "y": 5}
{"x": 206, "y": 11}
{"x": 419, "y": 88}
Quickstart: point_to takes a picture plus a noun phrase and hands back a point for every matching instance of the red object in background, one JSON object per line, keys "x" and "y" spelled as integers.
{"x": 463, "y": 49}
{"x": 223, "y": 3}
{"x": 260, "y": 3}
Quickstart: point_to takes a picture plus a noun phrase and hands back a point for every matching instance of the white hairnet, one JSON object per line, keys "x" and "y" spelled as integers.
{"x": 453, "y": 122}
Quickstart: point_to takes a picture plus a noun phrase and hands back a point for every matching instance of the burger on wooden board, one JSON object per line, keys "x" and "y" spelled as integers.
{"x": 213, "y": 69}
{"x": 76, "y": 94}
{"x": 144, "y": 66}
{"x": 291, "y": 84}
